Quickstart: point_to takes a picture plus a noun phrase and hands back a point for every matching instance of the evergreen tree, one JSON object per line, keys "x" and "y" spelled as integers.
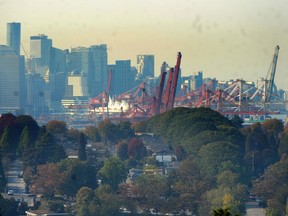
{"x": 2, "y": 175}
{"x": 24, "y": 141}
{"x": 6, "y": 141}
{"x": 82, "y": 148}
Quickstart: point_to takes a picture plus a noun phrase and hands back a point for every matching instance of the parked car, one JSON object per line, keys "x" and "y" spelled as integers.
{"x": 10, "y": 192}
{"x": 20, "y": 175}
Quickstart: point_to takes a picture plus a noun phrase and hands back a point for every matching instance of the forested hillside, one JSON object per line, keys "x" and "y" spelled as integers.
{"x": 217, "y": 164}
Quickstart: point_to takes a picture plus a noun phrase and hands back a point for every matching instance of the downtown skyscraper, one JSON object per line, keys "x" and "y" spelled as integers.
{"x": 14, "y": 36}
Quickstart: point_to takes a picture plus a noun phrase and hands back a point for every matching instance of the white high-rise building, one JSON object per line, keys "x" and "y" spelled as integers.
{"x": 78, "y": 84}
{"x": 40, "y": 49}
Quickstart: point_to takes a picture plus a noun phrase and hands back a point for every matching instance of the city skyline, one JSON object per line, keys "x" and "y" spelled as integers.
{"x": 224, "y": 39}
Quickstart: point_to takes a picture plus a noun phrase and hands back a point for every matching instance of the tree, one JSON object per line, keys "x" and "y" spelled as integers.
{"x": 103, "y": 201}
{"x": 107, "y": 200}
{"x": 56, "y": 126}
{"x": 222, "y": 212}
{"x": 113, "y": 172}
{"x": 219, "y": 156}
{"x": 152, "y": 195}
{"x": 283, "y": 147}
{"x": 122, "y": 150}
{"x": 46, "y": 150}
{"x": 6, "y": 120}
{"x": 23, "y": 121}
{"x": 237, "y": 121}
{"x": 180, "y": 152}
{"x": 109, "y": 131}
{"x": 92, "y": 133}
{"x": 24, "y": 141}
{"x": 136, "y": 149}
{"x": 2, "y": 174}
{"x": 273, "y": 128}
{"x": 6, "y": 143}
{"x": 76, "y": 174}
{"x": 126, "y": 130}
{"x": 84, "y": 197}
{"x": 47, "y": 180}
{"x": 82, "y": 148}
{"x": 273, "y": 186}
{"x": 8, "y": 207}
{"x": 188, "y": 184}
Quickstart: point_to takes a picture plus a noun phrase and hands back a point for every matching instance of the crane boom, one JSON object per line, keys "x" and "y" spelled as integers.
{"x": 271, "y": 74}
{"x": 167, "y": 91}
{"x": 174, "y": 82}
{"x": 160, "y": 89}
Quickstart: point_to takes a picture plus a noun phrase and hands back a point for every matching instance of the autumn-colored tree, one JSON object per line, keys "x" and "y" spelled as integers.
{"x": 92, "y": 133}
{"x": 56, "y": 126}
{"x": 273, "y": 186}
{"x": 180, "y": 152}
{"x": 109, "y": 131}
{"x": 47, "y": 180}
{"x": 6, "y": 120}
{"x": 74, "y": 134}
{"x": 188, "y": 184}
{"x": 273, "y": 128}
{"x": 136, "y": 149}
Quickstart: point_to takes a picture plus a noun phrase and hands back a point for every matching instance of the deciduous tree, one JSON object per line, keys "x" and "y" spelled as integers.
{"x": 113, "y": 172}
{"x": 47, "y": 180}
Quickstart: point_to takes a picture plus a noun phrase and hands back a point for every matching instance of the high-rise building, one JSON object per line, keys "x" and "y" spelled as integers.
{"x": 145, "y": 66}
{"x": 77, "y": 83}
{"x": 122, "y": 78}
{"x": 57, "y": 60}
{"x": 196, "y": 81}
{"x": 14, "y": 36}
{"x": 12, "y": 83}
{"x": 99, "y": 74}
{"x": 92, "y": 62}
{"x": 36, "y": 91}
{"x": 40, "y": 49}
{"x": 80, "y": 61}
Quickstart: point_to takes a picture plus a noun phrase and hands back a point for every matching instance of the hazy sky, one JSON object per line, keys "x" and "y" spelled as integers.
{"x": 226, "y": 39}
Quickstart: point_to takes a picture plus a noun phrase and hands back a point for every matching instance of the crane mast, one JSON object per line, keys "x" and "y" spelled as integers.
{"x": 271, "y": 74}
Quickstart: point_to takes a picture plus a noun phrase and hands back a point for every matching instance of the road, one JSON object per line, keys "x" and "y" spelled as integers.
{"x": 17, "y": 184}
{"x": 253, "y": 209}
